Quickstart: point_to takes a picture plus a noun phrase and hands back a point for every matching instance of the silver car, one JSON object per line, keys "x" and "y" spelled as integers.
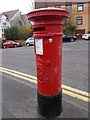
{"x": 30, "y": 41}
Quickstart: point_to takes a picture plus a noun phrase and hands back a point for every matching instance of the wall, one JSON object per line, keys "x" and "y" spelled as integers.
{"x": 2, "y": 19}
{"x": 16, "y": 19}
{"x": 86, "y": 19}
{"x": 0, "y": 29}
{"x": 89, "y": 16}
{"x": 83, "y": 14}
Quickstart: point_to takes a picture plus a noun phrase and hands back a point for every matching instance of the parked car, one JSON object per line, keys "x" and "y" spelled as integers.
{"x": 30, "y": 41}
{"x": 11, "y": 43}
{"x": 68, "y": 38}
{"x": 86, "y": 36}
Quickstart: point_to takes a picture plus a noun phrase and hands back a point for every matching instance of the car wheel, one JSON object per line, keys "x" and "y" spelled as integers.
{"x": 89, "y": 38}
{"x": 72, "y": 40}
{"x": 27, "y": 44}
{"x": 4, "y": 47}
{"x": 15, "y": 45}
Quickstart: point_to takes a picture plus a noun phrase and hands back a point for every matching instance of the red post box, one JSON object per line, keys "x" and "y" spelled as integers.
{"x": 47, "y": 30}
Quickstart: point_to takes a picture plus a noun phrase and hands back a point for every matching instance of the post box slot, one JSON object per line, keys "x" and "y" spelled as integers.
{"x": 39, "y": 29}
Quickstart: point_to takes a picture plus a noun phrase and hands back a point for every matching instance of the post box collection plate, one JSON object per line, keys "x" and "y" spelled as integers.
{"x": 39, "y": 46}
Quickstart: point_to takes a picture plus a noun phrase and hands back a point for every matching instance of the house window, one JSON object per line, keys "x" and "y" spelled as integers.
{"x": 80, "y": 7}
{"x": 68, "y": 7}
{"x": 79, "y": 20}
{"x": 4, "y": 23}
{"x": 2, "y": 31}
{"x": 57, "y": 6}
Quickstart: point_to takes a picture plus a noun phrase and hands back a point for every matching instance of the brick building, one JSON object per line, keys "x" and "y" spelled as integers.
{"x": 80, "y": 10}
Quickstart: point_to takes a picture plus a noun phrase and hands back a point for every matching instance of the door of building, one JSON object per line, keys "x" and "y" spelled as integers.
{"x": 79, "y": 33}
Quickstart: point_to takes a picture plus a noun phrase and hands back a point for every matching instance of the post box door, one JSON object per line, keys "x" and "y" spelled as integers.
{"x": 45, "y": 65}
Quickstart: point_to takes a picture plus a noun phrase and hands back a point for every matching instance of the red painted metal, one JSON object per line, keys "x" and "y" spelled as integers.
{"x": 48, "y": 27}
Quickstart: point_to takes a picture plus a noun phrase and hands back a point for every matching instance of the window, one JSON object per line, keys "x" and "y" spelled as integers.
{"x": 80, "y": 7}
{"x": 2, "y": 31}
{"x": 68, "y": 7}
{"x": 79, "y": 20}
{"x": 4, "y": 23}
{"x": 57, "y": 6}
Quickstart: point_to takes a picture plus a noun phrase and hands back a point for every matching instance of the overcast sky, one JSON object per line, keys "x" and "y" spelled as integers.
{"x": 24, "y": 6}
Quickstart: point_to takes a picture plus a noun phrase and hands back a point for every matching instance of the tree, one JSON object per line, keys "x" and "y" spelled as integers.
{"x": 11, "y": 33}
{"x": 14, "y": 33}
{"x": 25, "y": 31}
{"x": 69, "y": 25}
{"x": 7, "y": 33}
{"x": 20, "y": 32}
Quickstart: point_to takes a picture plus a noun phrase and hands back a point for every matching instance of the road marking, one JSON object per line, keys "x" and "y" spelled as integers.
{"x": 86, "y": 99}
{"x": 20, "y": 73}
{"x": 35, "y": 78}
{"x": 73, "y": 92}
{"x": 19, "y": 76}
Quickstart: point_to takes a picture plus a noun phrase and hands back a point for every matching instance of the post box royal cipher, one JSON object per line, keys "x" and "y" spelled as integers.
{"x": 47, "y": 31}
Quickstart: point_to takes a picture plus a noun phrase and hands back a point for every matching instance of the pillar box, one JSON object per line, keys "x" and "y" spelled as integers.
{"x": 47, "y": 31}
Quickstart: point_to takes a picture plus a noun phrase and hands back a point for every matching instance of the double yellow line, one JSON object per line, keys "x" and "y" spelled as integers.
{"x": 73, "y": 92}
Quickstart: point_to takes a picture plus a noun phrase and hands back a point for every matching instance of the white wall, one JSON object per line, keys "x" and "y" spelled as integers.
{"x": 0, "y": 29}
{"x": 3, "y": 20}
{"x": 15, "y": 20}
{"x": 0, "y": 33}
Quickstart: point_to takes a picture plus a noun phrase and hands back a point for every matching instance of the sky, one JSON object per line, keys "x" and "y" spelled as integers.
{"x": 24, "y": 6}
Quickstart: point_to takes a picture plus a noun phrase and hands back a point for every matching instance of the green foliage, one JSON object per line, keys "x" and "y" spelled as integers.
{"x": 7, "y": 33}
{"x": 18, "y": 32}
{"x": 69, "y": 26}
{"x": 24, "y": 32}
{"x": 11, "y": 33}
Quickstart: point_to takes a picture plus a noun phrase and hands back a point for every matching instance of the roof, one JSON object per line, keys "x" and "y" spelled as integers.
{"x": 9, "y": 14}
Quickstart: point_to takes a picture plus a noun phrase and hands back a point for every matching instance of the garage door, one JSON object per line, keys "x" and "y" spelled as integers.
{"x": 79, "y": 33}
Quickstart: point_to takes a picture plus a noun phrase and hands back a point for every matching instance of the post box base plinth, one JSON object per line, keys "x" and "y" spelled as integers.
{"x": 50, "y": 106}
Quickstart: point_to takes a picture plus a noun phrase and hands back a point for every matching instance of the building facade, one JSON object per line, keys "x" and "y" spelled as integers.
{"x": 80, "y": 11}
{"x": 8, "y": 19}
{"x": 25, "y": 20}
{"x": 11, "y": 18}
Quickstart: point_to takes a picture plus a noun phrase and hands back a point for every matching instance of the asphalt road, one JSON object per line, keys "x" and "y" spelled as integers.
{"x": 74, "y": 63}
{"x": 19, "y": 96}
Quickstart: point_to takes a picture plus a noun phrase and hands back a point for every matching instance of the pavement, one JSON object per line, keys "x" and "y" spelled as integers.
{"x": 23, "y": 103}
{"x": 19, "y": 91}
